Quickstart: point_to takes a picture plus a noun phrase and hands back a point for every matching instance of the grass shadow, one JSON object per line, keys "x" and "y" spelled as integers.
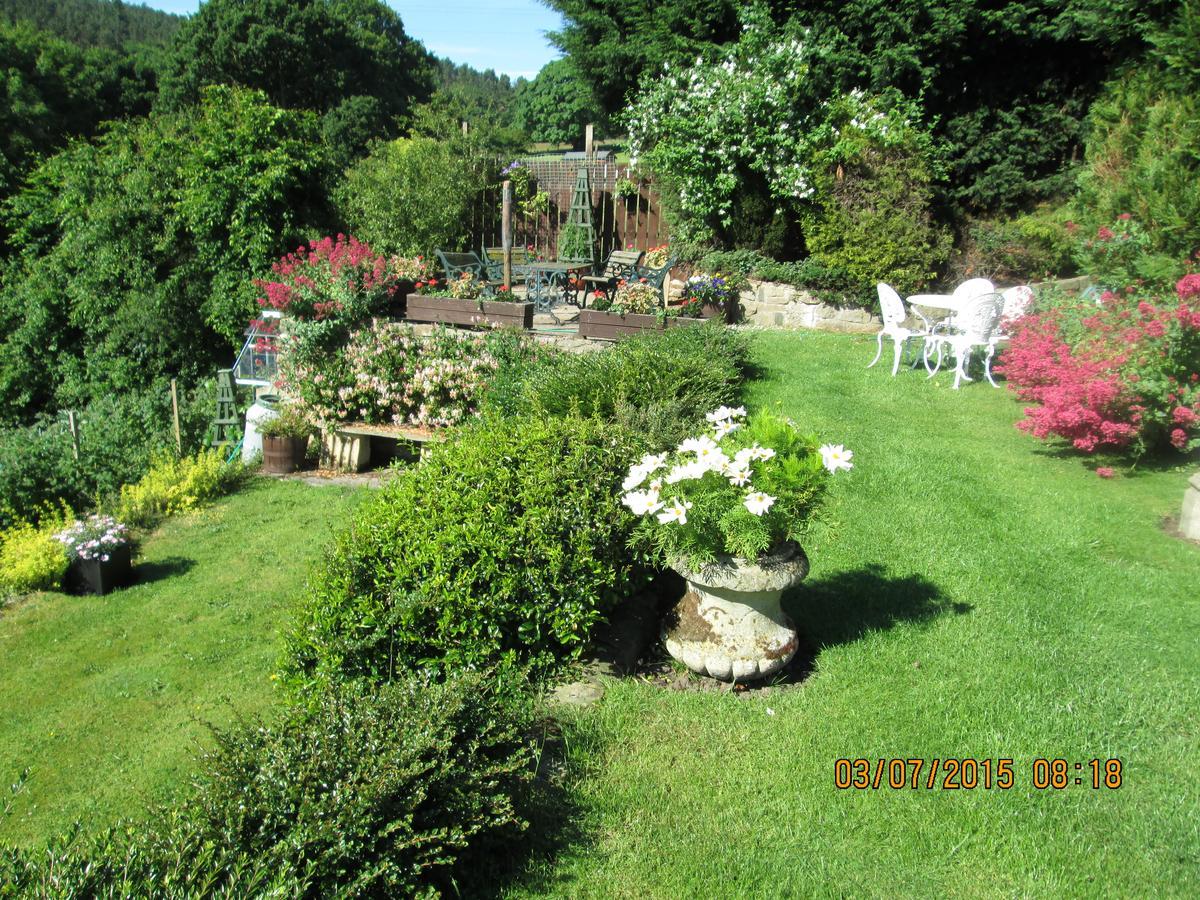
{"x": 159, "y": 569}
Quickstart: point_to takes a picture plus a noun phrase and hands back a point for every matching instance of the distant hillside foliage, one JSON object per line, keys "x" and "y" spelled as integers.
{"x": 95, "y": 23}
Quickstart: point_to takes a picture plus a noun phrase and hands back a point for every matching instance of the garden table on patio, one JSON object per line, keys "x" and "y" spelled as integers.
{"x": 546, "y": 282}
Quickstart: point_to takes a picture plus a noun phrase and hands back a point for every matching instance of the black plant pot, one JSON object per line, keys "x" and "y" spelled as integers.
{"x": 93, "y": 576}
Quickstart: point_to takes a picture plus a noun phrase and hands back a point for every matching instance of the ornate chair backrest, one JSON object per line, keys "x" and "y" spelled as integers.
{"x": 457, "y": 263}
{"x": 1016, "y": 301}
{"x": 973, "y": 288}
{"x": 978, "y": 319}
{"x": 890, "y": 305}
{"x": 623, "y": 263}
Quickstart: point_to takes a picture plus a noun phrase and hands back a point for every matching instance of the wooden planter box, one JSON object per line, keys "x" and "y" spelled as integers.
{"x": 467, "y": 312}
{"x": 91, "y": 576}
{"x": 607, "y": 326}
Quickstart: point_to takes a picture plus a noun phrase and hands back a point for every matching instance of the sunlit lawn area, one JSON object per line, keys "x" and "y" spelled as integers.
{"x": 105, "y": 699}
{"x": 973, "y": 594}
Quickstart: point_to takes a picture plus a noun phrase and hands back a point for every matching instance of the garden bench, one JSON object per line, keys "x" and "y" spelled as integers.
{"x": 456, "y": 264}
{"x": 656, "y": 278}
{"x": 493, "y": 259}
{"x": 622, "y": 265}
{"x": 349, "y": 447}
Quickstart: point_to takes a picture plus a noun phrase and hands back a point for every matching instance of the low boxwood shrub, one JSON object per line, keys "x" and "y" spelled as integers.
{"x": 659, "y": 384}
{"x": 507, "y": 543}
{"x": 358, "y": 792}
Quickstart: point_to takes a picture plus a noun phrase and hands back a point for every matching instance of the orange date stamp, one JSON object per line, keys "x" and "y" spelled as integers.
{"x": 968, "y": 773}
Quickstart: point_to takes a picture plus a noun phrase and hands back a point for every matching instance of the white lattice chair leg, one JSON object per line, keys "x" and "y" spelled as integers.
{"x": 987, "y": 363}
{"x": 879, "y": 349}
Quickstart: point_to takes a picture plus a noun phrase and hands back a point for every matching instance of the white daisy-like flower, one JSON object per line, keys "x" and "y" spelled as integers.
{"x": 676, "y": 511}
{"x": 655, "y": 485}
{"x": 738, "y": 474}
{"x": 696, "y": 445}
{"x": 686, "y": 472}
{"x": 763, "y": 453}
{"x": 758, "y": 502}
{"x": 724, "y": 413}
{"x": 835, "y": 457}
{"x": 738, "y": 412}
{"x": 642, "y": 502}
{"x": 652, "y": 462}
{"x": 744, "y": 456}
{"x": 636, "y": 476}
{"x": 725, "y": 427}
{"x": 712, "y": 459}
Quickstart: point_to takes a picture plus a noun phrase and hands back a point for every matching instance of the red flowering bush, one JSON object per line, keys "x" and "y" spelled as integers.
{"x": 330, "y": 279}
{"x": 1125, "y": 373}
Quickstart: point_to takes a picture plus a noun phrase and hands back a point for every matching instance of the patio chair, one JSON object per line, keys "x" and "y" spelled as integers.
{"x": 894, "y": 317}
{"x": 1016, "y": 303}
{"x": 972, "y": 327}
{"x": 620, "y": 266}
{"x": 968, "y": 290}
{"x": 493, "y": 260}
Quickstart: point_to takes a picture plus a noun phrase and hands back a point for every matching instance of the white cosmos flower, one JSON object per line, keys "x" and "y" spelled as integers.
{"x": 738, "y": 474}
{"x": 713, "y": 460}
{"x": 655, "y": 486}
{"x": 686, "y": 472}
{"x": 758, "y": 502}
{"x": 652, "y": 462}
{"x": 724, "y": 413}
{"x": 725, "y": 427}
{"x": 642, "y": 502}
{"x": 636, "y": 476}
{"x": 695, "y": 445}
{"x": 676, "y": 511}
{"x": 835, "y": 457}
{"x": 744, "y": 456}
{"x": 763, "y": 453}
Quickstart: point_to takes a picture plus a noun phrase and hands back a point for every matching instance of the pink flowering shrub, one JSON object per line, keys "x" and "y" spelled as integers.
{"x": 1124, "y": 374}
{"x": 388, "y": 374}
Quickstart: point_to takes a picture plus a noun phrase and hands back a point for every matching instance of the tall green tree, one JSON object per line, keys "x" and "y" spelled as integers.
{"x": 112, "y": 24}
{"x": 349, "y": 60}
{"x": 557, "y": 104}
{"x": 135, "y": 254}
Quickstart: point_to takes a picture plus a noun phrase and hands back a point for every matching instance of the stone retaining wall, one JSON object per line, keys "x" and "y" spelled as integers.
{"x": 773, "y": 305}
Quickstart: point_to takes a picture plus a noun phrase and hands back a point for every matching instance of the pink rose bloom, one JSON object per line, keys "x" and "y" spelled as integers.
{"x": 1179, "y": 439}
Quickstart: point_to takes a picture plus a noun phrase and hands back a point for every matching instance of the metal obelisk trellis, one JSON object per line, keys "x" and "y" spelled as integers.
{"x": 227, "y": 421}
{"x": 579, "y": 218}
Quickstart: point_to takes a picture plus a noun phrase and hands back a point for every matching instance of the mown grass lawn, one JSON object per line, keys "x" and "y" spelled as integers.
{"x": 105, "y": 699}
{"x": 973, "y": 594}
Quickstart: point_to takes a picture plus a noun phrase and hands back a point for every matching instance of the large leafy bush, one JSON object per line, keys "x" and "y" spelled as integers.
{"x": 658, "y": 384}
{"x": 134, "y": 256}
{"x": 387, "y": 793}
{"x": 413, "y": 196}
{"x": 506, "y": 543}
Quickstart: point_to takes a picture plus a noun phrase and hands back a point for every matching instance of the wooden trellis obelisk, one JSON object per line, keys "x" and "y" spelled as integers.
{"x": 228, "y": 422}
{"x": 579, "y": 218}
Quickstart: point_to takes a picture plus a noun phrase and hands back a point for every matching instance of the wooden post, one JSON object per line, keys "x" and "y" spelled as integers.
{"x": 175, "y": 416}
{"x": 73, "y": 426}
{"x": 506, "y": 231}
{"x": 589, "y": 145}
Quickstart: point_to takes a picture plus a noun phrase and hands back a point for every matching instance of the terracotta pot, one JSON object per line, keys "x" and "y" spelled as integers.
{"x": 282, "y": 455}
{"x": 729, "y": 624}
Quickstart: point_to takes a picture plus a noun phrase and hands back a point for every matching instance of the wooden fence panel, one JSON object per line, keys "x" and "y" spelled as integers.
{"x": 621, "y": 222}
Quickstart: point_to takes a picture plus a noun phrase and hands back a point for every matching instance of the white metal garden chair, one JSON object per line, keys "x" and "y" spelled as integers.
{"x": 1016, "y": 303}
{"x": 894, "y": 317}
{"x": 972, "y": 327}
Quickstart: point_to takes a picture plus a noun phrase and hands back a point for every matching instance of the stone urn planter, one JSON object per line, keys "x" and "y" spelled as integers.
{"x": 729, "y": 624}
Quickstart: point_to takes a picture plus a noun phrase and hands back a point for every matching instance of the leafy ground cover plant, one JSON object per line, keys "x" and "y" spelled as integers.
{"x": 743, "y": 489}
{"x": 31, "y": 559}
{"x": 507, "y": 543}
{"x": 357, "y": 792}
{"x": 1121, "y": 374}
{"x": 465, "y": 287}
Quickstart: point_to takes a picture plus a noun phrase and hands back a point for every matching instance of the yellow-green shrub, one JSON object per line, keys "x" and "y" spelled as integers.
{"x": 176, "y": 485}
{"x": 30, "y": 558}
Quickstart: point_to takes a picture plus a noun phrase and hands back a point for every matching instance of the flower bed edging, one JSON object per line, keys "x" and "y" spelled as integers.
{"x": 609, "y": 326}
